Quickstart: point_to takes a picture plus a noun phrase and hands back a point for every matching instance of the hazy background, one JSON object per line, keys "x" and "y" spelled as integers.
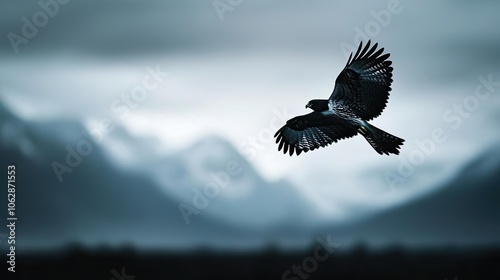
{"x": 234, "y": 77}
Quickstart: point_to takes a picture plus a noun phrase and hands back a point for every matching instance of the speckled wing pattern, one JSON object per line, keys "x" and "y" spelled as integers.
{"x": 308, "y": 132}
{"x": 365, "y": 82}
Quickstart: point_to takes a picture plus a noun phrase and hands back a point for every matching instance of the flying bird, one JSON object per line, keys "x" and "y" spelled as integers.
{"x": 360, "y": 94}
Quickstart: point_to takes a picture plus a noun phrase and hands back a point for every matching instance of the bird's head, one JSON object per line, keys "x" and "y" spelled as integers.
{"x": 318, "y": 105}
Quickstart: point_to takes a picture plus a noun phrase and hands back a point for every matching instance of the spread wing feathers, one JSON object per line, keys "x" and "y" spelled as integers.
{"x": 365, "y": 82}
{"x": 308, "y": 132}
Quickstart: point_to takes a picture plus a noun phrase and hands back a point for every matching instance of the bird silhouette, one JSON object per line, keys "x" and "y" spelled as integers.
{"x": 360, "y": 94}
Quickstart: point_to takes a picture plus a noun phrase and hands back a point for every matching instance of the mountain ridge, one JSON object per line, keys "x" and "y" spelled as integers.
{"x": 464, "y": 210}
{"x": 98, "y": 202}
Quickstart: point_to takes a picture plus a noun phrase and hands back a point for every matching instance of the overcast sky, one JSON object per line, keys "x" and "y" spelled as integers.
{"x": 240, "y": 71}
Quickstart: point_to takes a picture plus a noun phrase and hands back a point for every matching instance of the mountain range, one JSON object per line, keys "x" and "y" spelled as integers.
{"x": 209, "y": 195}
{"x": 99, "y": 202}
{"x": 465, "y": 211}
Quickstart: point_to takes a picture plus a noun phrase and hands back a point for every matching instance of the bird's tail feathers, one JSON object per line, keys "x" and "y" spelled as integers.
{"x": 381, "y": 141}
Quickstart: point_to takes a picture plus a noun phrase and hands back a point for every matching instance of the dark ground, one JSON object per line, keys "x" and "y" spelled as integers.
{"x": 360, "y": 263}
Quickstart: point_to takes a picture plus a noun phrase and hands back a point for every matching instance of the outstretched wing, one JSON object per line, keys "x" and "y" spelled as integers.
{"x": 308, "y": 132}
{"x": 365, "y": 82}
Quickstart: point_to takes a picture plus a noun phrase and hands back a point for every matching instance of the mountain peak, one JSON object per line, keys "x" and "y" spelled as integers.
{"x": 214, "y": 148}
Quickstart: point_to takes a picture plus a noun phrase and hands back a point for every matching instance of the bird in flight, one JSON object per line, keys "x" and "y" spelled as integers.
{"x": 360, "y": 94}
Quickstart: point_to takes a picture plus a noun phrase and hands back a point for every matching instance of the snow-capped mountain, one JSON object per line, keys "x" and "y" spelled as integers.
{"x": 208, "y": 195}
{"x": 68, "y": 192}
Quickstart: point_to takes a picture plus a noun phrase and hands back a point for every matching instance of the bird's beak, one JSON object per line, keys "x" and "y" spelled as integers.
{"x": 308, "y": 105}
